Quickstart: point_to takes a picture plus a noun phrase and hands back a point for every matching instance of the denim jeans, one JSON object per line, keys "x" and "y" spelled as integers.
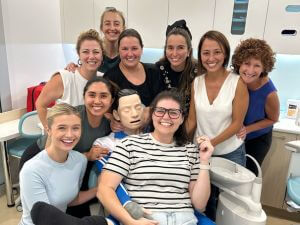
{"x": 238, "y": 156}
{"x": 175, "y": 218}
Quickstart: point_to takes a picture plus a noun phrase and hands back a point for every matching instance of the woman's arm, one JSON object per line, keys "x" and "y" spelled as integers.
{"x": 52, "y": 91}
{"x": 239, "y": 109}
{"x": 190, "y": 123}
{"x": 200, "y": 189}
{"x": 272, "y": 111}
{"x": 109, "y": 181}
{"x": 84, "y": 196}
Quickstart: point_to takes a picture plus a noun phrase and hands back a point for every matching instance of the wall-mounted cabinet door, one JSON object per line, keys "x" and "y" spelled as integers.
{"x": 240, "y": 19}
{"x": 282, "y": 30}
{"x": 76, "y": 16}
{"x": 150, "y": 19}
{"x": 100, "y": 5}
{"x": 199, "y": 16}
{"x": 275, "y": 170}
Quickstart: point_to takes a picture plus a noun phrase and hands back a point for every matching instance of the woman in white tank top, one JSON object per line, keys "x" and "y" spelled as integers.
{"x": 219, "y": 98}
{"x": 67, "y": 87}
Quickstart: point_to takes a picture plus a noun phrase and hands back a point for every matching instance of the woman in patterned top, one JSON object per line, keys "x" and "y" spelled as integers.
{"x": 178, "y": 67}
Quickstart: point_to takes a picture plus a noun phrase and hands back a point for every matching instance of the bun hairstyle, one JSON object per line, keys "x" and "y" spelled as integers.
{"x": 179, "y": 24}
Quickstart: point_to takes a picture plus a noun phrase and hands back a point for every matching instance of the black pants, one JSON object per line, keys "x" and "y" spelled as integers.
{"x": 29, "y": 153}
{"x": 258, "y": 148}
{"x": 45, "y": 214}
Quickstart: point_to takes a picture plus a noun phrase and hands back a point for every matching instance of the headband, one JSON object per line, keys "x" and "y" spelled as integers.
{"x": 179, "y": 24}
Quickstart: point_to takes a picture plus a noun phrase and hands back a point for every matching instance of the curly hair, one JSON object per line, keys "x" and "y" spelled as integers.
{"x": 257, "y": 49}
{"x": 91, "y": 34}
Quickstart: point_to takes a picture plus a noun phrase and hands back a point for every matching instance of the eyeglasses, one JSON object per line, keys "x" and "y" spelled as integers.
{"x": 173, "y": 113}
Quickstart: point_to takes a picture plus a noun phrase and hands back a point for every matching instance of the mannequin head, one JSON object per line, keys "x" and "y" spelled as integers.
{"x": 128, "y": 109}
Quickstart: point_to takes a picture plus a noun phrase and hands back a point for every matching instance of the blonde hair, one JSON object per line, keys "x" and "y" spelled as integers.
{"x": 92, "y": 35}
{"x": 112, "y": 10}
{"x": 59, "y": 110}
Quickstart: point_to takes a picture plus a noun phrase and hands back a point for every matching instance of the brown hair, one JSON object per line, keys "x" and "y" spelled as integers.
{"x": 112, "y": 10}
{"x": 188, "y": 73}
{"x": 180, "y": 136}
{"x": 221, "y": 40}
{"x": 130, "y": 33}
{"x": 91, "y": 34}
{"x": 257, "y": 49}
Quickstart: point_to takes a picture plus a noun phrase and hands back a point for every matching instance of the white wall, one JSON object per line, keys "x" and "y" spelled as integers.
{"x": 32, "y": 31}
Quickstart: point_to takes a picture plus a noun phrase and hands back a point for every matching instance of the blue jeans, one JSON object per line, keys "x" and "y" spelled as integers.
{"x": 175, "y": 218}
{"x": 238, "y": 156}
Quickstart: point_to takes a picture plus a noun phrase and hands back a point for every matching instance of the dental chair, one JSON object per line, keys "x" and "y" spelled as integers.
{"x": 240, "y": 191}
{"x": 29, "y": 132}
{"x": 293, "y": 178}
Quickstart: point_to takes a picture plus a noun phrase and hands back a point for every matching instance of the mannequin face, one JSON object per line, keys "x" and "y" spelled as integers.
{"x": 130, "y": 112}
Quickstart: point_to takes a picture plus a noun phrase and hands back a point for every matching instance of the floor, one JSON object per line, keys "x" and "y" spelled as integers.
{"x": 10, "y": 216}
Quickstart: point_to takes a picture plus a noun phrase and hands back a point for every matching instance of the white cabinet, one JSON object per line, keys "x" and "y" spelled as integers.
{"x": 254, "y": 22}
{"x": 199, "y": 16}
{"x": 150, "y": 19}
{"x": 76, "y": 16}
{"x": 100, "y": 5}
{"x": 280, "y": 21}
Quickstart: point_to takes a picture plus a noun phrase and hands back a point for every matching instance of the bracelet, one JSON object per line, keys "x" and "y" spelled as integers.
{"x": 204, "y": 166}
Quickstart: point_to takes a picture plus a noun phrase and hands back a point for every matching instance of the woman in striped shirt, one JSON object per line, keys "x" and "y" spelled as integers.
{"x": 161, "y": 170}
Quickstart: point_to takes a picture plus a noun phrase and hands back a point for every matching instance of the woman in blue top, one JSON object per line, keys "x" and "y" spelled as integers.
{"x": 55, "y": 174}
{"x": 253, "y": 59}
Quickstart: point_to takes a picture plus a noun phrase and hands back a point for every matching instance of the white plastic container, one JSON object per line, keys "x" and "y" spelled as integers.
{"x": 292, "y": 108}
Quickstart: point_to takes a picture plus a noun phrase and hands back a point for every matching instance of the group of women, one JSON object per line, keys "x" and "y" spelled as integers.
{"x": 161, "y": 170}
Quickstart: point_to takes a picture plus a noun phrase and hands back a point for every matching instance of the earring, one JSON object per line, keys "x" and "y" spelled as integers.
{"x": 79, "y": 62}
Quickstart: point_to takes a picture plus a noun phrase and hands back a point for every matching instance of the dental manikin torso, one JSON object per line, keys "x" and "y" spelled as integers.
{"x": 130, "y": 113}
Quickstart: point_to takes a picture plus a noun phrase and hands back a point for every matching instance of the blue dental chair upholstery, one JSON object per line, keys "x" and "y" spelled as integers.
{"x": 29, "y": 133}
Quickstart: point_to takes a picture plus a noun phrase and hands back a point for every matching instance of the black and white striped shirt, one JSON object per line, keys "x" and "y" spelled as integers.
{"x": 156, "y": 175}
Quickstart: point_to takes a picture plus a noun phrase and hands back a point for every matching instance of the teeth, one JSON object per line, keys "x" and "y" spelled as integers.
{"x": 91, "y": 62}
{"x": 67, "y": 141}
{"x": 212, "y": 64}
{"x": 97, "y": 107}
{"x": 166, "y": 124}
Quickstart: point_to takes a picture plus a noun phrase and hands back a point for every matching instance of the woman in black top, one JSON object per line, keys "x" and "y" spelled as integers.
{"x": 130, "y": 72}
{"x": 178, "y": 67}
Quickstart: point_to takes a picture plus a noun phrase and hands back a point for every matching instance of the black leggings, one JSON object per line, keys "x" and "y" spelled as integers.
{"x": 258, "y": 148}
{"x": 45, "y": 214}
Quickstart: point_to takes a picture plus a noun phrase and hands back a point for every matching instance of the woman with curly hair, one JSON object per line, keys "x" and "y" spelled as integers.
{"x": 253, "y": 59}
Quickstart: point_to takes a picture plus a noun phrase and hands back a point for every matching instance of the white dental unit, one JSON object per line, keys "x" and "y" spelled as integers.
{"x": 239, "y": 199}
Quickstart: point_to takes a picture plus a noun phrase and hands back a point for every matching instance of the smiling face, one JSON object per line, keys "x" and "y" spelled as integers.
{"x": 130, "y": 112}
{"x": 112, "y": 26}
{"x": 177, "y": 51}
{"x": 90, "y": 55}
{"x": 130, "y": 51}
{"x": 65, "y": 132}
{"x": 250, "y": 70}
{"x": 97, "y": 99}
{"x": 163, "y": 124}
{"x": 212, "y": 55}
